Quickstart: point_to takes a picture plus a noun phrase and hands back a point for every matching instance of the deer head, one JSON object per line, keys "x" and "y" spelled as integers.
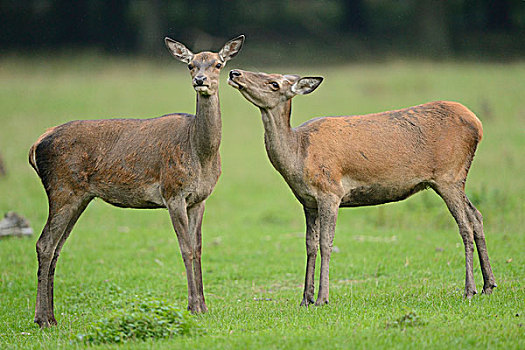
{"x": 269, "y": 90}
{"x": 205, "y": 66}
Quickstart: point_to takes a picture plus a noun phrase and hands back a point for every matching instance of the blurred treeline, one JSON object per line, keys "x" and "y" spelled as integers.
{"x": 318, "y": 29}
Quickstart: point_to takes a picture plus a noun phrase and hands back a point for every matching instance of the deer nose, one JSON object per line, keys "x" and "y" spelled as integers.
{"x": 199, "y": 80}
{"x": 234, "y": 73}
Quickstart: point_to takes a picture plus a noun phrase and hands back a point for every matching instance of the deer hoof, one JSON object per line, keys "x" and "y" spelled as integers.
{"x": 469, "y": 293}
{"x": 198, "y": 308}
{"x": 321, "y": 302}
{"x": 204, "y": 308}
{"x": 307, "y": 301}
{"x": 489, "y": 288}
{"x": 45, "y": 323}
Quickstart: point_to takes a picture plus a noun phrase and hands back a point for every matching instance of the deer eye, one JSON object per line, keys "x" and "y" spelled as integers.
{"x": 190, "y": 66}
{"x": 274, "y": 85}
{"x": 218, "y": 65}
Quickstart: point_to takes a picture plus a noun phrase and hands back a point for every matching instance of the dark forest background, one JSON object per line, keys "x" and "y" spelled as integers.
{"x": 326, "y": 29}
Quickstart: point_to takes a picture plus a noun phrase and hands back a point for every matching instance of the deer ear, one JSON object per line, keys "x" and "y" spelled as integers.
{"x": 306, "y": 85}
{"x": 231, "y": 48}
{"x": 178, "y": 50}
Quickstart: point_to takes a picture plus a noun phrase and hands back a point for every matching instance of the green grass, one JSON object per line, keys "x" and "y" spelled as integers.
{"x": 397, "y": 278}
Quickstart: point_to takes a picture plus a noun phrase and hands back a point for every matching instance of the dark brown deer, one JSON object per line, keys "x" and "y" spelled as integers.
{"x": 352, "y": 161}
{"x": 168, "y": 162}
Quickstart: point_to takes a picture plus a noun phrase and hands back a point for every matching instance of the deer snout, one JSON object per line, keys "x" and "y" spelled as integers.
{"x": 234, "y": 73}
{"x": 233, "y": 82}
{"x": 199, "y": 80}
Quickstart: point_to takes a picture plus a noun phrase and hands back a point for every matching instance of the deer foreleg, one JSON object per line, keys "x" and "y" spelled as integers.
{"x": 327, "y": 209}
{"x": 179, "y": 218}
{"x": 195, "y": 215}
{"x": 312, "y": 245}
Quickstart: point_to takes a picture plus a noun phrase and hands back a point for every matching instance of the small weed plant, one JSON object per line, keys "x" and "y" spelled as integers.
{"x": 409, "y": 319}
{"x": 140, "y": 320}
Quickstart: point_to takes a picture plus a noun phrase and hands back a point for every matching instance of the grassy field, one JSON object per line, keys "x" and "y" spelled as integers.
{"x": 397, "y": 275}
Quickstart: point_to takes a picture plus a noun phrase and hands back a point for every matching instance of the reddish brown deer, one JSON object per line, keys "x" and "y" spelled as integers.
{"x": 168, "y": 162}
{"x": 351, "y": 161}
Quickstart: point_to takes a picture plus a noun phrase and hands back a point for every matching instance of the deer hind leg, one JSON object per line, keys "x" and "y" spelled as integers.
{"x": 312, "y": 246}
{"x": 489, "y": 282}
{"x": 179, "y": 218}
{"x": 327, "y": 211}
{"x": 61, "y": 219}
{"x": 195, "y": 215}
{"x": 456, "y": 201}
{"x": 63, "y": 239}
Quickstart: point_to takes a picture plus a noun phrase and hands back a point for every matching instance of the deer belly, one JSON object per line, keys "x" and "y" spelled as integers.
{"x": 144, "y": 197}
{"x": 374, "y": 194}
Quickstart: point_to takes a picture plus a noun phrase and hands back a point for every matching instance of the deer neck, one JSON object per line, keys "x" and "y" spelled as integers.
{"x": 280, "y": 139}
{"x": 206, "y": 136}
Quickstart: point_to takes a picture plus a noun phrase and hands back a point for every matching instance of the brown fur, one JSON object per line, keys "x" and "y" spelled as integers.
{"x": 350, "y": 161}
{"x": 168, "y": 162}
{"x": 391, "y": 147}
